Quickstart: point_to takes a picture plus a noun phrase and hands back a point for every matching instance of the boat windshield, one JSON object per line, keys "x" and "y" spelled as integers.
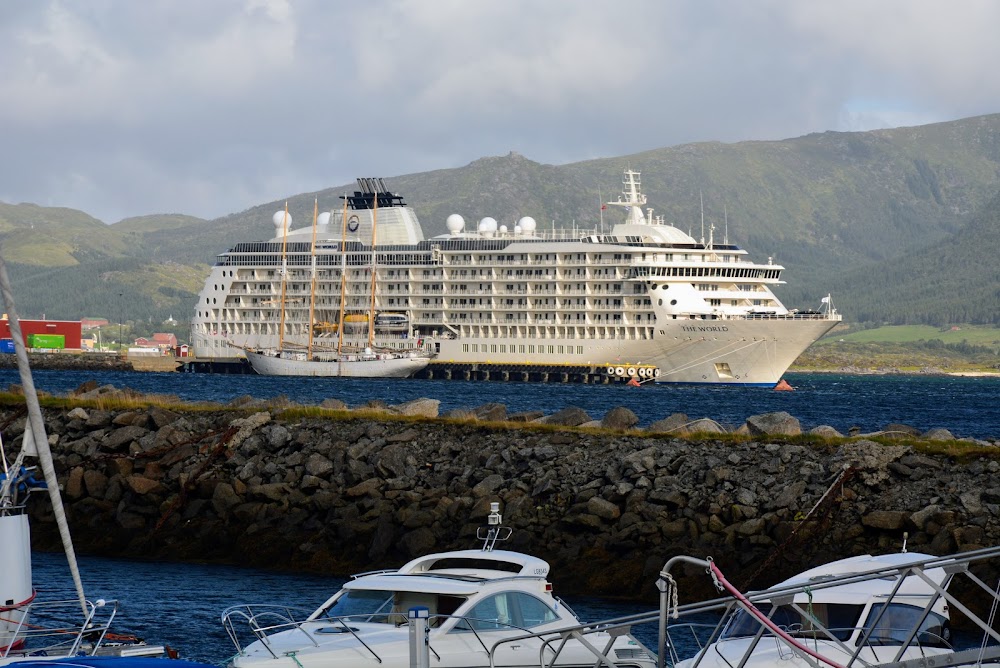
{"x": 387, "y": 607}
{"x": 898, "y": 620}
{"x": 840, "y": 619}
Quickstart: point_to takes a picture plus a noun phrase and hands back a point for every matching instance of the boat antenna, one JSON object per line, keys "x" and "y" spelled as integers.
{"x": 312, "y": 287}
{"x": 284, "y": 277}
{"x": 494, "y": 529}
{"x": 37, "y": 431}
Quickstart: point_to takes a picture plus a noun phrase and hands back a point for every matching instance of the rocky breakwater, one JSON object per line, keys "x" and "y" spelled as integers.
{"x": 337, "y": 491}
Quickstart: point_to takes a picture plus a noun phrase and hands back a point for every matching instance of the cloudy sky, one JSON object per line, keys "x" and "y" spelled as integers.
{"x": 123, "y": 108}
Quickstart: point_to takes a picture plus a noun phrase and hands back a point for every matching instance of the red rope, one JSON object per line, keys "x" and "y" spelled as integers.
{"x": 766, "y": 621}
{"x": 5, "y": 608}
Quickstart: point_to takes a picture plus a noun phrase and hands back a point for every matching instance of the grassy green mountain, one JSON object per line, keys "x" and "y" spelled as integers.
{"x": 954, "y": 281}
{"x": 850, "y": 213}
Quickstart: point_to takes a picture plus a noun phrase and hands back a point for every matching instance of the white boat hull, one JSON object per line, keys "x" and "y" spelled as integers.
{"x": 387, "y": 366}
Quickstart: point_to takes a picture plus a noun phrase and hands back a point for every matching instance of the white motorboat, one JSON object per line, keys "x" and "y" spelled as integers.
{"x": 482, "y": 608}
{"x": 861, "y": 611}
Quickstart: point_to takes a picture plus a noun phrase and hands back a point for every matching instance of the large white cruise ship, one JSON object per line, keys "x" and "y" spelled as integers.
{"x": 646, "y": 294}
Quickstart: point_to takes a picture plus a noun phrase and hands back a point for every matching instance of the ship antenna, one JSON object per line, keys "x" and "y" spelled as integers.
{"x": 600, "y": 201}
{"x": 702, "y": 198}
{"x": 725, "y": 213}
{"x": 494, "y": 529}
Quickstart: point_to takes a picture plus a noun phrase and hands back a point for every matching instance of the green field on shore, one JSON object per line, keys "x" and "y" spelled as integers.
{"x": 909, "y": 348}
{"x": 975, "y": 335}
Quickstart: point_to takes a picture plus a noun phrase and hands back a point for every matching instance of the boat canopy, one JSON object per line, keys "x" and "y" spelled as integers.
{"x": 414, "y": 583}
{"x": 482, "y": 564}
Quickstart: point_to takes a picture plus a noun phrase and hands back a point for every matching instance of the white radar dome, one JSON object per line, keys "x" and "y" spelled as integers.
{"x": 323, "y": 218}
{"x": 517, "y": 229}
{"x": 527, "y": 224}
{"x": 488, "y": 224}
{"x": 455, "y": 223}
{"x": 280, "y": 217}
{"x": 503, "y": 229}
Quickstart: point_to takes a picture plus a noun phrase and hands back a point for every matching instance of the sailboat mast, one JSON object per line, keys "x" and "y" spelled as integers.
{"x": 284, "y": 275}
{"x": 371, "y": 307}
{"x": 343, "y": 281}
{"x": 39, "y": 437}
{"x": 312, "y": 288}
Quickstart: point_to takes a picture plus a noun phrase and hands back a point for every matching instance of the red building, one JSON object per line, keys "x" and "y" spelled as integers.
{"x": 70, "y": 329}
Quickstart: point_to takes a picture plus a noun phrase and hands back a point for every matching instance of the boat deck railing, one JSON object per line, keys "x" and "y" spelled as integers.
{"x": 265, "y": 621}
{"x": 53, "y": 628}
{"x": 805, "y": 644}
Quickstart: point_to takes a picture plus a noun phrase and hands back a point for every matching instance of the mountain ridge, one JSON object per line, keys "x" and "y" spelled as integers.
{"x": 831, "y": 206}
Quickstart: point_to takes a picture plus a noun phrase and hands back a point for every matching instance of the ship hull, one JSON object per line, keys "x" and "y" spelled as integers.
{"x": 386, "y": 367}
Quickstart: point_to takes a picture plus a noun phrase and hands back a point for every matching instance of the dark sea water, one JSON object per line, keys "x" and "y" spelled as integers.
{"x": 968, "y": 407}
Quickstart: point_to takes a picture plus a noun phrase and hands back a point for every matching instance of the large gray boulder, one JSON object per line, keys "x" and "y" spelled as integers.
{"x": 619, "y": 418}
{"x": 773, "y": 424}
{"x": 492, "y": 412}
{"x": 419, "y": 407}
{"x": 567, "y": 417}
{"x": 669, "y": 425}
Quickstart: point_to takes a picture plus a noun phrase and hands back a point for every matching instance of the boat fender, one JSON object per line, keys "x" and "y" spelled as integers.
{"x": 619, "y": 371}
{"x": 611, "y": 371}
{"x": 631, "y": 371}
{"x": 656, "y": 373}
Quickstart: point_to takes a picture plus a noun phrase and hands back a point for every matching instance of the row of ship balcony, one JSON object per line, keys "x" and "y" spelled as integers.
{"x": 455, "y": 291}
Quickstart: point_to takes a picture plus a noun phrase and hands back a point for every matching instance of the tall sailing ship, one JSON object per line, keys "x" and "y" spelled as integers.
{"x": 645, "y": 294}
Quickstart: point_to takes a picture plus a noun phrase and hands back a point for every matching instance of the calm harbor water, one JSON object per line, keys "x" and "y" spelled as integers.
{"x": 965, "y": 406}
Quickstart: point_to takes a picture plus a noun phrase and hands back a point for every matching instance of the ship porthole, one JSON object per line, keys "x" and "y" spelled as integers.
{"x": 673, "y": 302}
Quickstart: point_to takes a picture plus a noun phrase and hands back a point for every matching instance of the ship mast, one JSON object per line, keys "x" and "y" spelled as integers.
{"x": 371, "y": 307}
{"x": 284, "y": 275}
{"x": 312, "y": 288}
{"x": 343, "y": 290}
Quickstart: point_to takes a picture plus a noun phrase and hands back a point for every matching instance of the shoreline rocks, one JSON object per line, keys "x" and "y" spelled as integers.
{"x": 373, "y": 487}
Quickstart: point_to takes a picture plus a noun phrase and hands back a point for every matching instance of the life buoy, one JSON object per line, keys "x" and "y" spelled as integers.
{"x": 656, "y": 373}
{"x": 619, "y": 371}
{"x": 631, "y": 371}
{"x": 642, "y": 372}
{"x": 611, "y": 371}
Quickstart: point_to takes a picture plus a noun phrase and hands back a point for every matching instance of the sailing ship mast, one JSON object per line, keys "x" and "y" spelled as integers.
{"x": 343, "y": 291}
{"x": 284, "y": 275}
{"x": 371, "y": 307}
{"x": 312, "y": 288}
